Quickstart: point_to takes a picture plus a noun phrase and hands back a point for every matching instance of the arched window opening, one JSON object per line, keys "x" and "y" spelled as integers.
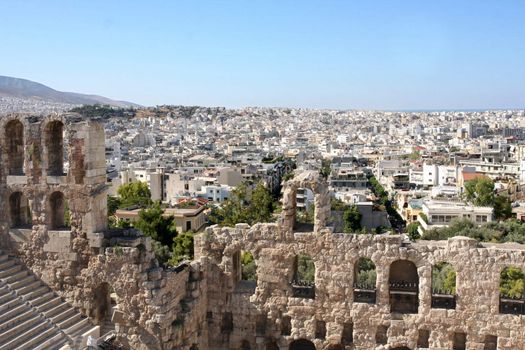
{"x": 404, "y": 287}
{"x": 443, "y": 286}
{"x": 105, "y": 300}
{"x": 54, "y": 136}
{"x": 20, "y": 211}
{"x": 14, "y": 132}
{"x": 248, "y": 273}
{"x": 60, "y": 216}
{"x": 303, "y": 283}
{"x": 302, "y": 344}
{"x": 511, "y": 291}
{"x": 365, "y": 281}
{"x": 305, "y": 210}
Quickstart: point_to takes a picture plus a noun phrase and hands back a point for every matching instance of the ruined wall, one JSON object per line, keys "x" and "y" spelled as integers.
{"x": 275, "y": 247}
{"x": 203, "y": 304}
{"x": 76, "y": 258}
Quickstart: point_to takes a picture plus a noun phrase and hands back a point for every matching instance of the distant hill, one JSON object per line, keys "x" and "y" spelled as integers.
{"x": 26, "y": 89}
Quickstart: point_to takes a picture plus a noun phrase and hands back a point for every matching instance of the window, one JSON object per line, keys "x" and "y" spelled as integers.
{"x": 54, "y": 139}
{"x": 20, "y": 210}
{"x": 422, "y": 338}
{"x": 14, "y": 132}
{"x": 59, "y": 215}
{"x": 320, "y": 329}
{"x": 365, "y": 281}
{"x": 443, "y": 286}
{"x": 404, "y": 287}
{"x": 286, "y": 325}
{"x": 303, "y": 283}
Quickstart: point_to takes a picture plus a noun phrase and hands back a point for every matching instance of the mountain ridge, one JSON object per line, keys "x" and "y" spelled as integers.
{"x": 28, "y": 89}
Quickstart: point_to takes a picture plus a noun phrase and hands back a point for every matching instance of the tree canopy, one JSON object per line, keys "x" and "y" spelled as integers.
{"x": 480, "y": 191}
{"x": 134, "y": 194}
{"x": 244, "y": 206}
{"x": 154, "y": 224}
{"x": 497, "y": 232}
{"x": 511, "y": 283}
{"x": 351, "y": 219}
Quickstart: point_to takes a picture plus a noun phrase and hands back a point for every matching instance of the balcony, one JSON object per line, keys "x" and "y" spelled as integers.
{"x": 303, "y": 289}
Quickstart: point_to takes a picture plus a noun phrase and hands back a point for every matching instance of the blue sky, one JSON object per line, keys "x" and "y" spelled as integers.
{"x": 320, "y": 54}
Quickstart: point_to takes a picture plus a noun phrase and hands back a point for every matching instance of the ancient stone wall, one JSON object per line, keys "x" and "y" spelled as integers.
{"x": 64, "y": 170}
{"x": 238, "y": 317}
{"x": 204, "y": 304}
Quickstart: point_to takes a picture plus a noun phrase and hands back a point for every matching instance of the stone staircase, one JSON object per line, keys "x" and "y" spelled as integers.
{"x": 32, "y": 316}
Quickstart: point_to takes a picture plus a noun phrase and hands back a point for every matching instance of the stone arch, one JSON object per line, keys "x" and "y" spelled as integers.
{"x": 20, "y": 210}
{"x": 302, "y": 344}
{"x": 365, "y": 278}
{"x": 404, "y": 287}
{"x": 105, "y": 303}
{"x": 303, "y": 282}
{"x": 14, "y": 133}
{"x": 248, "y": 271}
{"x": 54, "y": 145}
{"x": 511, "y": 289}
{"x": 58, "y": 211}
{"x": 307, "y": 180}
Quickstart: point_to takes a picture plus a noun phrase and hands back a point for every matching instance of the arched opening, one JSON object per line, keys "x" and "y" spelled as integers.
{"x": 105, "y": 300}
{"x": 245, "y": 345}
{"x": 305, "y": 210}
{"x": 248, "y": 274}
{"x": 302, "y": 344}
{"x": 404, "y": 287}
{"x": 54, "y": 137}
{"x": 511, "y": 291}
{"x": 443, "y": 286}
{"x": 59, "y": 214}
{"x": 20, "y": 210}
{"x": 14, "y": 131}
{"x": 303, "y": 283}
{"x": 365, "y": 281}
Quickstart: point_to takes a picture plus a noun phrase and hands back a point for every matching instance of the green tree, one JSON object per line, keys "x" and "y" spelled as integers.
{"x": 113, "y": 205}
{"x": 511, "y": 283}
{"x": 443, "y": 278}
{"x": 248, "y": 267}
{"x": 337, "y": 204}
{"x": 134, "y": 194}
{"x": 154, "y": 224}
{"x": 412, "y": 231}
{"x": 244, "y": 206}
{"x": 366, "y": 273}
{"x": 261, "y": 205}
{"x": 502, "y": 208}
{"x": 351, "y": 219}
{"x": 182, "y": 248}
{"x": 325, "y": 168}
{"x": 305, "y": 269}
{"x": 480, "y": 192}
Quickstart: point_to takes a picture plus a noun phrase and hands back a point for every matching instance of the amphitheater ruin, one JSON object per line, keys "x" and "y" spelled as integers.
{"x": 64, "y": 280}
